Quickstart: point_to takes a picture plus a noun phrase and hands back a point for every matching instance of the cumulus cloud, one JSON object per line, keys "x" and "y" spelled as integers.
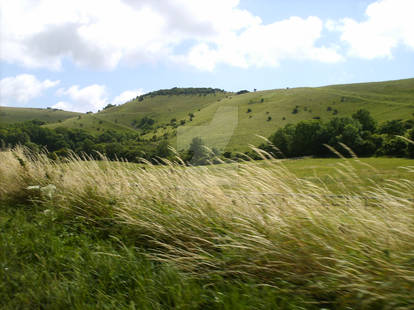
{"x": 63, "y": 106}
{"x": 127, "y": 96}
{"x": 102, "y": 34}
{"x": 265, "y": 45}
{"x": 89, "y": 98}
{"x": 389, "y": 23}
{"x": 22, "y": 88}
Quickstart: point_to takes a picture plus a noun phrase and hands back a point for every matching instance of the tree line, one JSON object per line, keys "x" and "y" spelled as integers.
{"x": 201, "y": 91}
{"x": 62, "y": 141}
{"x": 360, "y": 133}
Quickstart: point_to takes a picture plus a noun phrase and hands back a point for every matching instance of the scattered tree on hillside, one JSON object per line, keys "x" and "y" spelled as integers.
{"x": 241, "y": 92}
{"x": 146, "y": 123}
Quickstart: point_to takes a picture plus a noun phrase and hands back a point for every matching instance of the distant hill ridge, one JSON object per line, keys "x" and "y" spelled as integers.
{"x": 162, "y": 114}
{"x": 9, "y": 115}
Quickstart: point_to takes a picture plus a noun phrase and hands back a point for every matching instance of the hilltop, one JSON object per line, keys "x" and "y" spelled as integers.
{"x": 9, "y": 115}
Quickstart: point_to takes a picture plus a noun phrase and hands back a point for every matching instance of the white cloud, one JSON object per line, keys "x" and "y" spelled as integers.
{"x": 389, "y": 23}
{"x": 89, "y": 98}
{"x": 101, "y": 34}
{"x": 63, "y": 106}
{"x": 127, "y": 96}
{"x": 22, "y": 88}
{"x": 266, "y": 45}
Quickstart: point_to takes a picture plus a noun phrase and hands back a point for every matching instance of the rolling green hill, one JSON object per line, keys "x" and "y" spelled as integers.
{"x": 161, "y": 108}
{"x": 241, "y": 117}
{"x": 9, "y": 115}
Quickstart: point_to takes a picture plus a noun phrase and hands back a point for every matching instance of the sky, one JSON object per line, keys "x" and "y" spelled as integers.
{"x": 81, "y": 55}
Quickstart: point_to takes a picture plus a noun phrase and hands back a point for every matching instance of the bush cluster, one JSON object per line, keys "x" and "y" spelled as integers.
{"x": 360, "y": 133}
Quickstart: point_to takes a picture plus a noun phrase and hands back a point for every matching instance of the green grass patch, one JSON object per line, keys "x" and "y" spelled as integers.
{"x": 48, "y": 261}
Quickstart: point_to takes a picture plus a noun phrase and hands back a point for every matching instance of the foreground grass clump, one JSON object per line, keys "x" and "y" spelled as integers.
{"x": 257, "y": 223}
{"x": 51, "y": 262}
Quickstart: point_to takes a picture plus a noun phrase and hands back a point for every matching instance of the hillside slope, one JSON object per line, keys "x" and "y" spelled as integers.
{"x": 127, "y": 117}
{"x": 236, "y": 120}
{"x": 261, "y": 113}
{"x": 10, "y": 115}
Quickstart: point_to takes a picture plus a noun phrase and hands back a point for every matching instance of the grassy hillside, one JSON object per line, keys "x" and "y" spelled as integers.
{"x": 241, "y": 117}
{"x": 10, "y": 115}
{"x": 161, "y": 108}
{"x": 385, "y": 101}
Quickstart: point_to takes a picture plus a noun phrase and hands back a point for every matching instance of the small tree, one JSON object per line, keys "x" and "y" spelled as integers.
{"x": 197, "y": 153}
{"x": 163, "y": 149}
{"x": 367, "y": 121}
{"x": 108, "y": 106}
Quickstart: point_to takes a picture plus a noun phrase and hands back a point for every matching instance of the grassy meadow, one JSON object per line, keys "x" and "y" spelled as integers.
{"x": 264, "y": 235}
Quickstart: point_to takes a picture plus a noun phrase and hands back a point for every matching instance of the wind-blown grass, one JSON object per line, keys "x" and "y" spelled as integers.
{"x": 256, "y": 222}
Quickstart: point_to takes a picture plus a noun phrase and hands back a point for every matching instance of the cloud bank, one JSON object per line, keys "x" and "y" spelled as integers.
{"x": 105, "y": 34}
{"x": 388, "y": 24}
{"x": 90, "y": 98}
{"x": 22, "y": 88}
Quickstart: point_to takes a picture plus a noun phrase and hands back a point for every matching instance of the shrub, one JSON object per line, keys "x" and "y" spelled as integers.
{"x": 241, "y": 92}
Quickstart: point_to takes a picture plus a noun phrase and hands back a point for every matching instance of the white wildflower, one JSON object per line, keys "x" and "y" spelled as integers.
{"x": 48, "y": 190}
{"x": 33, "y": 187}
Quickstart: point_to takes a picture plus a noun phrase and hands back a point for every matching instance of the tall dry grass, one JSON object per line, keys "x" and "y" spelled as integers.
{"x": 245, "y": 220}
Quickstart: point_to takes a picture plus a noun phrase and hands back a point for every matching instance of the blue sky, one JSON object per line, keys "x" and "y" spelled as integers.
{"x": 83, "y": 54}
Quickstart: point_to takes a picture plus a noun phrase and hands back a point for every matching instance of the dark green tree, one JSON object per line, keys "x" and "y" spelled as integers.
{"x": 197, "y": 152}
{"x": 365, "y": 119}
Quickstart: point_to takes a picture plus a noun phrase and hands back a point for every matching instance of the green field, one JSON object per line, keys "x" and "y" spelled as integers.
{"x": 9, "y": 115}
{"x": 253, "y": 235}
{"x": 370, "y": 172}
{"x": 351, "y": 176}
